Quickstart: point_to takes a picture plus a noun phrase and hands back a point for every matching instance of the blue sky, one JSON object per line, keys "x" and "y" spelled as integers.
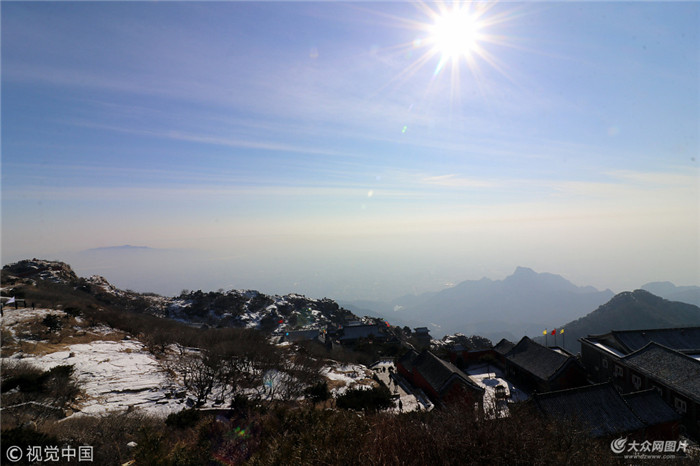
{"x": 320, "y": 147}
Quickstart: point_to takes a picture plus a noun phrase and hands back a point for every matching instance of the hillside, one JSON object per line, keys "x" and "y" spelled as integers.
{"x": 45, "y": 282}
{"x": 85, "y": 363}
{"x": 521, "y": 304}
{"x": 667, "y": 290}
{"x": 633, "y": 310}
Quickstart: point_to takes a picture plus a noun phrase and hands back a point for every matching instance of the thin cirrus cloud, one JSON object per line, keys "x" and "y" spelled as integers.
{"x": 455, "y": 181}
{"x": 144, "y": 121}
{"x": 211, "y": 139}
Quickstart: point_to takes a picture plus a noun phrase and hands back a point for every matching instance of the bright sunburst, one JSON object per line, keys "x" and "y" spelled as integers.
{"x": 455, "y": 34}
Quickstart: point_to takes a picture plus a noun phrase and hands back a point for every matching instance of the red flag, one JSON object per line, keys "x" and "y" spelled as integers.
{"x": 554, "y": 332}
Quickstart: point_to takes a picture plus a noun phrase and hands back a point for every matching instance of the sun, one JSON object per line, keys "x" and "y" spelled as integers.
{"x": 455, "y": 36}
{"x": 455, "y": 33}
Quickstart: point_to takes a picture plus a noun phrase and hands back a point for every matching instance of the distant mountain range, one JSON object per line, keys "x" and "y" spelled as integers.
{"x": 667, "y": 290}
{"x": 633, "y": 310}
{"x": 123, "y": 248}
{"x": 233, "y": 308}
{"x": 523, "y": 303}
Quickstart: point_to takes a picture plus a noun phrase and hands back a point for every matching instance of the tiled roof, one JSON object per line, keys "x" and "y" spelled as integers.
{"x": 300, "y": 335}
{"x": 650, "y": 407}
{"x": 682, "y": 339}
{"x": 671, "y": 368}
{"x": 438, "y": 373}
{"x": 504, "y": 346}
{"x": 538, "y": 360}
{"x": 353, "y": 332}
{"x": 407, "y": 360}
{"x": 600, "y": 408}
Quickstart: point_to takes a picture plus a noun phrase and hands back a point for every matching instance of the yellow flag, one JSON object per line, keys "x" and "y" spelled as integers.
{"x": 562, "y": 331}
{"x": 545, "y": 332}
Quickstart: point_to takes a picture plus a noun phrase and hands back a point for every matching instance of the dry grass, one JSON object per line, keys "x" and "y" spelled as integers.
{"x": 30, "y": 336}
{"x": 333, "y": 384}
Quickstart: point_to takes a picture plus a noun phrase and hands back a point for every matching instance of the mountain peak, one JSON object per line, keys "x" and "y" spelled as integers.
{"x": 50, "y": 270}
{"x": 125, "y": 247}
{"x": 524, "y": 271}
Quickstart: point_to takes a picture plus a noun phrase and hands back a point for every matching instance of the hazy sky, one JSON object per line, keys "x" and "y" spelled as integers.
{"x": 353, "y": 150}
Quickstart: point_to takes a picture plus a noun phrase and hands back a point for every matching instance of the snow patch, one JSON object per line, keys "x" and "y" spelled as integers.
{"x": 115, "y": 376}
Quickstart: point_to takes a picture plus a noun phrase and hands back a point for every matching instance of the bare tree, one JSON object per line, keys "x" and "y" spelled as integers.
{"x": 197, "y": 376}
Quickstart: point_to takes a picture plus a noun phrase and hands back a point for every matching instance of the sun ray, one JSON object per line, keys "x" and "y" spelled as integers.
{"x": 458, "y": 42}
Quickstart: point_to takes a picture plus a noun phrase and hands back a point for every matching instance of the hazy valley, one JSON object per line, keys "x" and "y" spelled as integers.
{"x": 148, "y": 357}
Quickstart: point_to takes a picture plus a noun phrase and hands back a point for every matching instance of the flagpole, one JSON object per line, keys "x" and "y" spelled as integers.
{"x": 563, "y": 338}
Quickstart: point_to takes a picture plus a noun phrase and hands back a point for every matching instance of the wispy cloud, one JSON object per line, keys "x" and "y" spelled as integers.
{"x": 212, "y": 139}
{"x": 624, "y": 184}
{"x": 456, "y": 181}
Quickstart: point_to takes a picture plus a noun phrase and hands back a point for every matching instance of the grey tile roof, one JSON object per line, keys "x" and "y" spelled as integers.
{"x": 407, "y": 360}
{"x": 676, "y": 370}
{"x": 439, "y": 373}
{"x": 599, "y": 408}
{"x": 301, "y": 335}
{"x": 538, "y": 360}
{"x": 682, "y": 339}
{"x": 353, "y": 332}
{"x": 685, "y": 339}
{"x": 504, "y": 346}
{"x": 650, "y": 407}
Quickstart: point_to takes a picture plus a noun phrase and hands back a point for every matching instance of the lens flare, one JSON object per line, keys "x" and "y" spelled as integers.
{"x": 452, "y": 37}
{"x": 456, "y": 33}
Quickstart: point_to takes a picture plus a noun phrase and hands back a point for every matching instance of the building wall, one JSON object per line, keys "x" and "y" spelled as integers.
{"x": 456, "y": 393}
{"x": 598, "y": 363}
{"x": 666, "y": 431}
{"x": 633, "y": 381}
{"x": 524, "y": 379}
{"x": 626, "y": 379}
{"x": 459, "y": 393}
{"x": 573, "y": 376}
{"x": 403, "y": 372}
{"x": 421, "y": 340}
{"x": 420, "y": 382}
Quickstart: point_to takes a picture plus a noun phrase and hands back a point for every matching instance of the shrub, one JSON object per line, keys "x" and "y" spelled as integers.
{"x": 152, "y": 446}
{"x": 20, "y": 375}
{"x": 318, "y": 392}
{"x": 55, "y": 384}
{"x": 73, "y": 311}
{"x": 52, "y": 322}
{"x": 108, "y": 434}
{"x": 372, "y": 400}
{"x": 24, "y": 437}
{"x": 183, "y": 419}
